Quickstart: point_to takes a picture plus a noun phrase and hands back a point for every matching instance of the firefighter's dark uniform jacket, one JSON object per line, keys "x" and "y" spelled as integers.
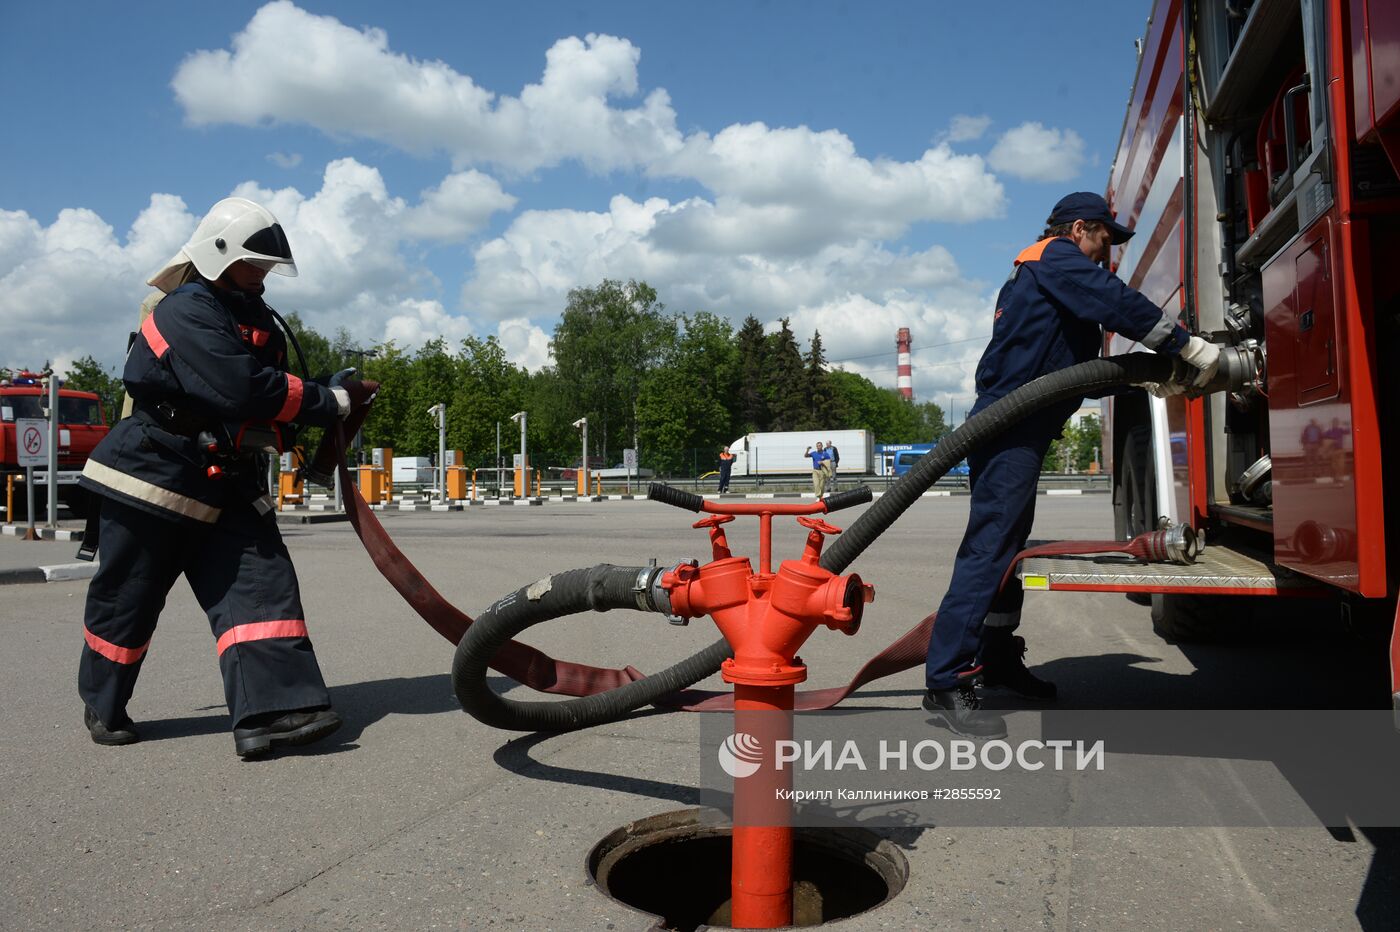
{"x": 1050, "y": 314}
{"x": 206, "y": 361}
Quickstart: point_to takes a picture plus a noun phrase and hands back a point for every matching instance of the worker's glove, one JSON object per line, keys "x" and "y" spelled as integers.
{"x": 1162, "y": 389}
{"x": 1204, "y": 356}
{"x": 337, "y": 387}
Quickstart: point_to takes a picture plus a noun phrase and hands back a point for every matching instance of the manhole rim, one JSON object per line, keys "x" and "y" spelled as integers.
{"x": 857, "y": 845}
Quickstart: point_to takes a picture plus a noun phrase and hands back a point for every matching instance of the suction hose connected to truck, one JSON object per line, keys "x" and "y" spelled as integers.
{"x": 646, "y": 588}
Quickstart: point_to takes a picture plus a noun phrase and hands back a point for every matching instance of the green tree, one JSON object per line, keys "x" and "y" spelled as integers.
{"x": 785, "y": 384}
{"x": 1076, "y": 447}
{"x": 882, "y": 411}
{"x": 552, "y": 438}
{"x": 322, "y": 357}
{"x": 488, "y": 391}
{"x": 433, "y": 377}
{"x": 931, "y": 425}
{"x": 87, "y": 375}
{"x": 684, "y": 414}
{"x": 393, "y": 370}
{"x": 751, "y": 408}
{"x": 819, "y": 394}
{"x": 606, "y": 342}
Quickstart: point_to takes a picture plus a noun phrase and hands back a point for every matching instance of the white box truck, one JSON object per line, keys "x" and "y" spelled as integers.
{"x": 783, "y": 453}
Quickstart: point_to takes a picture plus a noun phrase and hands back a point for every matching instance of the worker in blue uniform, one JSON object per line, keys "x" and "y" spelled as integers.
{"x": 182, "y": 486}
{"x": 1050, "y": 314}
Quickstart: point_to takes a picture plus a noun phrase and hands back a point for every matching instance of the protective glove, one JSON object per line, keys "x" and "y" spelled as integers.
{"x": 321, "y": 469}
{"x": 1203, "y": 355}
{"x": 337, "y": 387}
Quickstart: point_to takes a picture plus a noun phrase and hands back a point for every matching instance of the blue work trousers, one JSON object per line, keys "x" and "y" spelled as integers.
{"x": 1004, "y": 475}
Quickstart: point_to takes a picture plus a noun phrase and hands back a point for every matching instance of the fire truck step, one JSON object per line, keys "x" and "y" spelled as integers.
{"x": 1218, "y": 571}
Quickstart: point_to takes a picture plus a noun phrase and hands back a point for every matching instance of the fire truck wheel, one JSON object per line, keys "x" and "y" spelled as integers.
{"x": 1202, "y": 619}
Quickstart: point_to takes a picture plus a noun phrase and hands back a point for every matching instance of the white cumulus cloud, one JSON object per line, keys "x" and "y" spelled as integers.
{"x": 858, "y": 294}
{"x": 1038, "y": 153}
{"x": 291, "y": 66}
{"x": 73, "y": 288}
{"x": 965, "y": 128}
{"x": 776, "y": 189}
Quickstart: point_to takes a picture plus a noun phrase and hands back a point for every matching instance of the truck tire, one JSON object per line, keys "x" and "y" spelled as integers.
{"x": 1202, "y": 619}
{"x": 1135, "y": 494}
{"x": 1134, "y": 489}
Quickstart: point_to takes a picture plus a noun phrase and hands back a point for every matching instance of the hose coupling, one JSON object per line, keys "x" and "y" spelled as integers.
{"x": 1178, "y": 544}
{"x": 651, "y": 596}
{"x": 1241, "y": 371}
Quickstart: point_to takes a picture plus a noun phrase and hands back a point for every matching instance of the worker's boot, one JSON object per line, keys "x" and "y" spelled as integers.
{"x": 122, "y": 732}
{"x": 1002, "y": 666}
{"x": 259, "y": 734}
{"x": 960, "y": 711}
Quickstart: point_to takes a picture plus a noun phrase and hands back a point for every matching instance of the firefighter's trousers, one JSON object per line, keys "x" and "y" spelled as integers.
{"x": 242, "y": 576}
{"x": 1004, "y": 476}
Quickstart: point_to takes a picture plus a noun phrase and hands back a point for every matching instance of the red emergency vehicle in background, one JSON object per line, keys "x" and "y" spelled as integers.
{"x": 1258, "y": 166}
{"x": 81, "y": 425}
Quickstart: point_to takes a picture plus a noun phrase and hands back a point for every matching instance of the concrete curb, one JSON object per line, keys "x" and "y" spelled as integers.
{"x": 463, "y": 504}
{"x": 60, "y": 572}
{"x": 312, "y": 517}
{"x": 45, "y": 533}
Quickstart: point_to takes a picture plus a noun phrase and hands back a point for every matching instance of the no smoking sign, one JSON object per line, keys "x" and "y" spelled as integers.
{"x": 33, "y": 434}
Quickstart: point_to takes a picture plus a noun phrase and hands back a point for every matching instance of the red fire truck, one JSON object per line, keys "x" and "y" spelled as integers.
{"x": 1258, "y": 165}
{"x": 81, "y": 425}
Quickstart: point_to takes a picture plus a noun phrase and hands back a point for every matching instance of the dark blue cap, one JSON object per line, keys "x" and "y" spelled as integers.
{"x": 1086, "y": 205}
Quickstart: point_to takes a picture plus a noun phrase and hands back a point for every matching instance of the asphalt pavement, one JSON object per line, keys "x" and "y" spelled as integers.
{"x": 415, "y": 816}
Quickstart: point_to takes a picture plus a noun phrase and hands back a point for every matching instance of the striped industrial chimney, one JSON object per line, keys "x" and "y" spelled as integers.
{"x": 905, "y": 382}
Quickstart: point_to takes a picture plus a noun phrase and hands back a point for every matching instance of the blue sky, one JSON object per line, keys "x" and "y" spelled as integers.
{"x": 452, "y": 169}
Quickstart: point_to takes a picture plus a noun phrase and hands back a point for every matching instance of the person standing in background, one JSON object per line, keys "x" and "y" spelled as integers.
{"x": 726, "y": 466}
{"x": 818, "y": 457}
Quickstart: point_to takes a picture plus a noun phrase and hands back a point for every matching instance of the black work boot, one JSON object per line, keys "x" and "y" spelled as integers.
{"x": 1002, "y": 666}
{"x": 122, "y": 733}
{"x": 259, "y": 734}
{"x": 960, "y": 711}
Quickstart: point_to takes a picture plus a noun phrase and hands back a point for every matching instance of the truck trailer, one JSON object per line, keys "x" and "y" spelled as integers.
{"x": 783, "y": 453}
{"x": 1259, "y": 165}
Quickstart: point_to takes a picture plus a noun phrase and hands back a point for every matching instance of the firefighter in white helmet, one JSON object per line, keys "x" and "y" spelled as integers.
{"x": 183, "y": 490}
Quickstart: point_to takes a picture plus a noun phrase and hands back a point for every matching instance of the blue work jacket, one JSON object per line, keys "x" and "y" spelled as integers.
{"x": 1052, "y": 312}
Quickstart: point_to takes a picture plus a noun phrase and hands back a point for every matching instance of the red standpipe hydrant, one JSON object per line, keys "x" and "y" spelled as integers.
{"x": 765, "y": 617}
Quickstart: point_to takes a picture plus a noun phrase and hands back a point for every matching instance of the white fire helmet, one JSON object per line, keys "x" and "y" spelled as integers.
{"x": 235, "y": 228}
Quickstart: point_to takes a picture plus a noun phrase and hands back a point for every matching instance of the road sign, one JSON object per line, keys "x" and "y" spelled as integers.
{"x": 32, "y": 434}
{"x": 629, "y": 458}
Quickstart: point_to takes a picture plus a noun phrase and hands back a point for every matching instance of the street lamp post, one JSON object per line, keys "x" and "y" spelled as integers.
{"x": 582, "y": 424}
{"x": 441, "y": 411}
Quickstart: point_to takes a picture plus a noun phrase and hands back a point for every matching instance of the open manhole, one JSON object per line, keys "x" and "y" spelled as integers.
{"x": 676, "y": 869}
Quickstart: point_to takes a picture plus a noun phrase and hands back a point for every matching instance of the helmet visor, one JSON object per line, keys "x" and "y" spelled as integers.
{"x": 270, "y": 250}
